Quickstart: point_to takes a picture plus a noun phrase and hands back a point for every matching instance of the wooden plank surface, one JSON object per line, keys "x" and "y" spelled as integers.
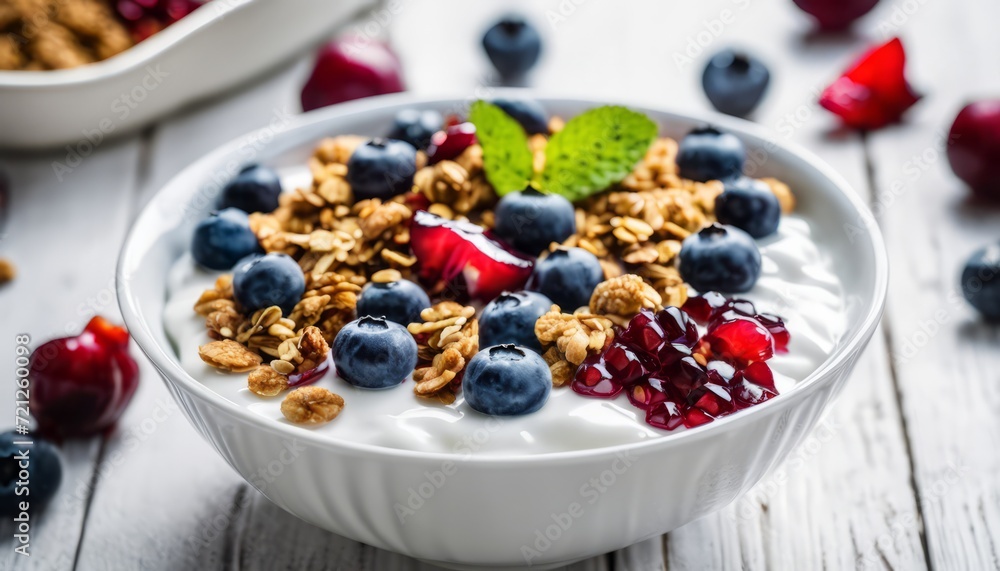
{"x": 58, "y": 288}
{"x": 845, "y": 499}
{"x": 946, "y": 360}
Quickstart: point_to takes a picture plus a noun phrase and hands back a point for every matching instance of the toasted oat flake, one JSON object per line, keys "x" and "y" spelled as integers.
{"x": 386, "y": 276}
{"x": 266, "y": 381}
{"x": 229, "y": 355}
{"x": 311, "y": 405}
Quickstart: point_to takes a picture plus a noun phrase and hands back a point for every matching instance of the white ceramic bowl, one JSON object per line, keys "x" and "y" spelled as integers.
{"x": 470, "y": 511}
{"x": 212, "y": 49}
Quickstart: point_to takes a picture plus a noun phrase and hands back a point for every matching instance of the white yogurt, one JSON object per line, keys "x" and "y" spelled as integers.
{"x": 796, "y": 283}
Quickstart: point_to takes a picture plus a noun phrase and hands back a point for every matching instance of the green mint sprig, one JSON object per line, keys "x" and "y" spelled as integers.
{"x": 506, "y": 157}
{"x": 593, "y": 151}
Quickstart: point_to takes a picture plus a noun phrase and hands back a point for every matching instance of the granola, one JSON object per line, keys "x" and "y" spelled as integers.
{"x": 635, "y": 228}
{"x": 311, "y": 405}
{"x": 59, "y": 34}
{"x": 229, "y": 355}
{"x": 446, "y": 339}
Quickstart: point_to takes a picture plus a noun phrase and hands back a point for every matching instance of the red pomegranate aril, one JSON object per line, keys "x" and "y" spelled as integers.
{"x": 776, "y": 326}
{"x": 643, "y": 332}
{"x": 713, "y": 399}
{"x": 593, "y": 380}
{"x": 685, "y": 375}
{"x": 645, "y": 395}
{"x": 351, "y": 68}
{"x": 677, "y": 326}
{"x": 741, "y": 341}
{"x": 667, "y": 415}
{"x": 701, "y": 308}
{"x": 623, "y": 364}
{"x": 448, "y": 144}
{"x": 720, "y": 372}
{"x": 696, "y": 417}
{"x": 309, "y": 377}
{"x": 761, "y": 375}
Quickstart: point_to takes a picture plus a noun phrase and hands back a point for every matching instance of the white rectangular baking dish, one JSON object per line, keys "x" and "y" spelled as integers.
{"x": 214, "y": 48}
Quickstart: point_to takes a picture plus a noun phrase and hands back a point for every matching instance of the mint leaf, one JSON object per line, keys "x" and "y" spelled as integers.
{"x": 594, "y": 150}
{"x": 506, "y": 157}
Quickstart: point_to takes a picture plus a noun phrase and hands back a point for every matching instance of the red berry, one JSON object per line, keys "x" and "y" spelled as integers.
{"x": 753, "y": 385}
{"x": 836, "y": 14}
{"x": 351, "y": 68}
{"x": 463, "y": 257}
{"x": 81, "y": 385}
{"x": 594, "y": 380}
{"x": 874, "y": 92}
{"x": 705, "y": 307}
{"x": 647, "y": 394}
{"x": 779, "y": 332}
{"x": 146, "y": 17}
{"x": 713, "y": 399}
{"x": 696, "y": 417}
{"x": 974, "y": 147}
{"x": 741, "y": 341}
{"x": 448, "y": 144}
{"x": 309, "y": 377}
{"x": 666, "y": 414}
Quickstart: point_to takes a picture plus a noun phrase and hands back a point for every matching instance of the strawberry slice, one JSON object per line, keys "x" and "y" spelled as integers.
{"x": 874, "y": 92}
{"x": 465, "y": 259}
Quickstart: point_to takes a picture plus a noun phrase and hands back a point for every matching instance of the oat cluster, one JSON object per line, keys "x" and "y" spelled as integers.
{"x": 634, "y": 228}
{"x": 58, "y": 34}
{"x": 447, "y": 338}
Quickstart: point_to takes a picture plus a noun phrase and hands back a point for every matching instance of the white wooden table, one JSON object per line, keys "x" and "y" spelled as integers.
{"x": 903, "y": 473}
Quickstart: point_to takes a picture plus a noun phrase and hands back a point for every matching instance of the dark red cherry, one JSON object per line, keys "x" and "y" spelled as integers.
{"x": 80, "y": 385}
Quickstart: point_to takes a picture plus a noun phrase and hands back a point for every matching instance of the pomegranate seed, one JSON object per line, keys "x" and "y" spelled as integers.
{"x": 667, "y": 415}
{"x": 720, "y": 372}
{"x": 646, "y": 394}
{"x": 779, "y": 332}
{"x": 713, "y": 399}
{"x": 677, "y": 326}
{"x": 741, "y": 341}
{"x": 448, "y": 144}
{"x": 696, "y": 417}
{"x": 761, "y": 375}
{"x": 593, "y": 380}
{"x": 623, "y": 364}
{"x": 685, "y": 375}
{"x": 309, "y": 377}
{"x": 703, "y": 307}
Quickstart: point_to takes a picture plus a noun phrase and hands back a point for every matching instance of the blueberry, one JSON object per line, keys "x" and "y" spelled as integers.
{"x": 513, "y": 45}
{"x": 568, "y": 277}
{"x": 263, "y": 281}
{"x": 720, "y": 258}
{"x": 749, "y": 205}
{"x": 709, "y": 154}
{"x": 381, "y": 168}
{"x": 506, "y": 380}
{"x": 511, "y": 317}
{"x": 735, "y": 82}
{"x": 530, "y": 220}
{"x": 400, "y": 301}
{"x": 981, "y": 281}
{"x": 528, "y": 112}
{"x": 255, "y": 189}
{"x": 223, "y": 239}
{"x": 415, "y": 126}
{"x": 44, "y": 473}
{"x": 373, "y": 353}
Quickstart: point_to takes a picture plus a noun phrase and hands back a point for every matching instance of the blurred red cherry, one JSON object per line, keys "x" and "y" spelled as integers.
{"x": 836, "y": 14}
{"x": 351, "y": 68}
{"x": 974, "y": 147}
{"x": 80, "y": 385}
